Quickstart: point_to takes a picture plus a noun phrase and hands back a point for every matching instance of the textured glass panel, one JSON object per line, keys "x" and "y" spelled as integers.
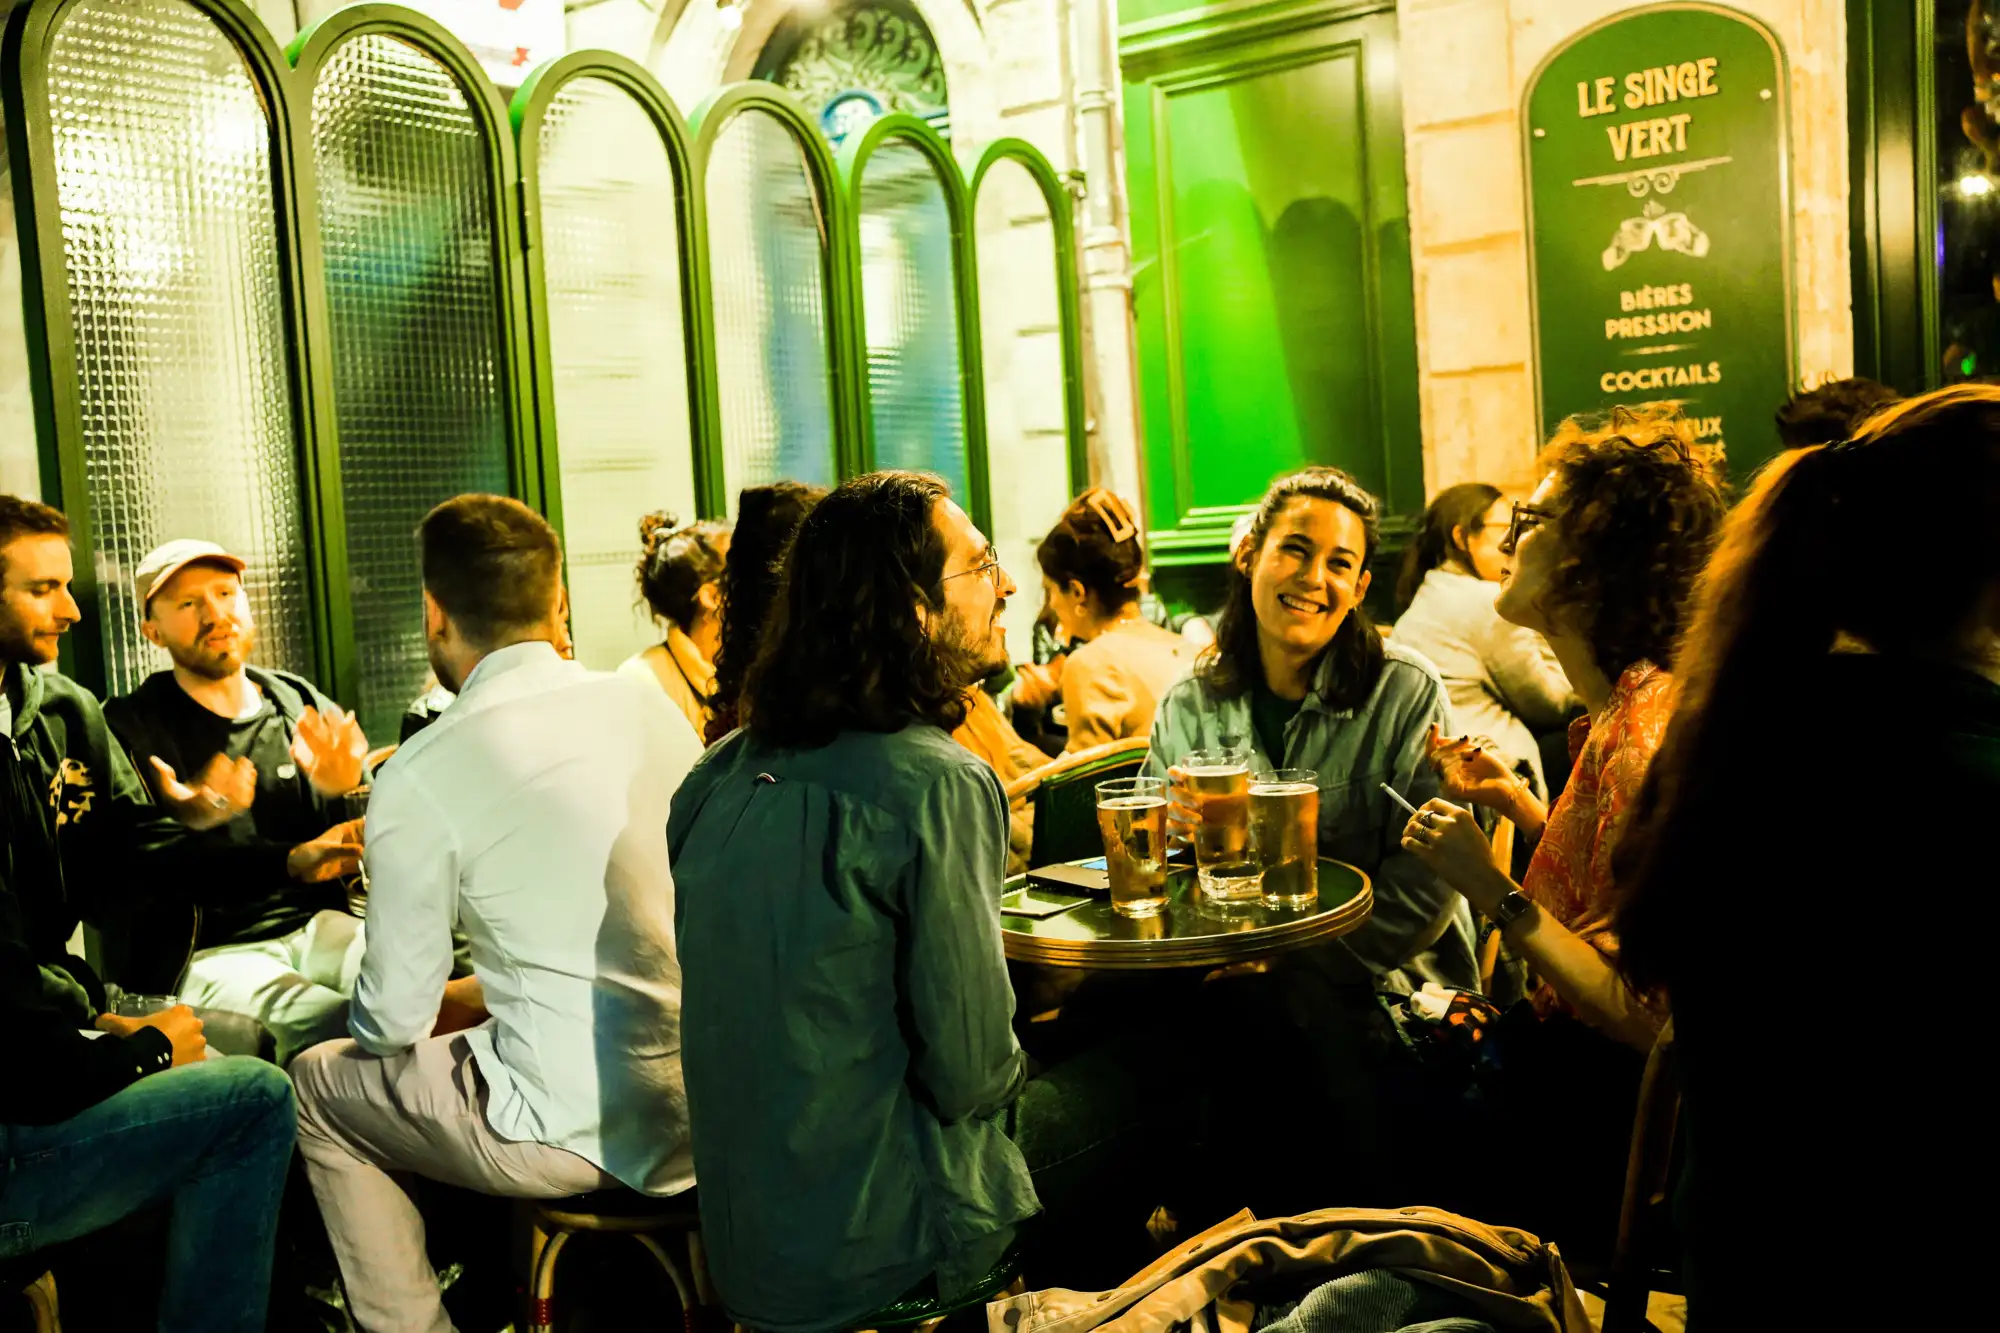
{"x": 19, "y": 471}
{"x": 766, "y": 231}
{"x": 1020, "y": 341}
{"x": 910, "y": 310}
{"x": 407, "y": 224}
{"x": 176, "y": 291}
{"x": 618, "y": 350}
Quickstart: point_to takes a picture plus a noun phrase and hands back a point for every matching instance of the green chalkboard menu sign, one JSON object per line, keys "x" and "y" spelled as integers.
{"x": 1660, "y": 223}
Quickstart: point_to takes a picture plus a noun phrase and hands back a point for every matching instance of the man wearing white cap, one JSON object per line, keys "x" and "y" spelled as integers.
{"x": 250, "y": 756}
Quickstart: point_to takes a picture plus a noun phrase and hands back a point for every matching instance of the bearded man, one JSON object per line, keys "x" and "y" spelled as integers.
{"x": 246, "y": 755}
{"x": 847, "y": 1020}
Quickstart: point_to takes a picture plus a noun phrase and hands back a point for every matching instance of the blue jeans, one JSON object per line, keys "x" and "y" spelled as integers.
{"x": 210, "y": 1139}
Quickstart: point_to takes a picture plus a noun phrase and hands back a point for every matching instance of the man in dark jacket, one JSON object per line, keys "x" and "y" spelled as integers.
{"x": 94, "y": 1130}
{"x": 270, "y": 948}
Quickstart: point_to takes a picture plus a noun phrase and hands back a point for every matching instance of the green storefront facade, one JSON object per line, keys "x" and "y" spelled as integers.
{"x": 1271, "y": 267}
{"x": 1287, "y": 268}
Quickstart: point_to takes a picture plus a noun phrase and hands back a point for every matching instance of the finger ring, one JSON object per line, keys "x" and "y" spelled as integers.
{"x": 216, "y": 802}
{"x": 1428, "y": 818}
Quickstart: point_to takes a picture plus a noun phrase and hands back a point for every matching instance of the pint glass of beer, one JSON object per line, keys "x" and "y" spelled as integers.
{"x": 1132, "y": 817}
{"x": 1224, "y": 863}
{"x": 1284, "y": 828}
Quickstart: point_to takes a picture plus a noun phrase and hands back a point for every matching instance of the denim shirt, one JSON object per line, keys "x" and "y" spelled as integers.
{"x": 1421, "y": 929}
{"x": 849, "y": 1043}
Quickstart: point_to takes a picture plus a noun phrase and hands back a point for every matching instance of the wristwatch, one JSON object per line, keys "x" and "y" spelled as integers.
{"x": 1511, "y": 908}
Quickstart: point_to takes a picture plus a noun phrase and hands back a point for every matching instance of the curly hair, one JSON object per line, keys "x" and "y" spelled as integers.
{"x": 1833, "y": 411}
{"x": 1639, "y": 511}
{"x": 1096, "y": 543}
{"x": 846, "y": 649}
{"x": 1232, "y": 664}
{"x": 676, "y": 562}
{"x": 766, "y": 518}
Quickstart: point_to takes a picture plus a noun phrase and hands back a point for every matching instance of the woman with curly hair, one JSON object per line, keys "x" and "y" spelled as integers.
{"x": 1605, "y": 557}
{"x": 680, "y": 580}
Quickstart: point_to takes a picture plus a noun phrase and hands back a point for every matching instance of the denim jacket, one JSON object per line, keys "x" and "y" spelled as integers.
{"x": 1421, "y": 930}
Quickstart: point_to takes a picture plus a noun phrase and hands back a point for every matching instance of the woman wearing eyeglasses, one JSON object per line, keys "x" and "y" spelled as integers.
{"x": 1092, "y": 574}
{"x": 1605, "y": 557}
{"x": 1502, "y": 679}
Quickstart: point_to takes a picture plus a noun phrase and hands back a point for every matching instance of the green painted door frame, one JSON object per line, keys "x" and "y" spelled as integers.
{"x": 1271, "y": 137}
{"x": 1892, "y": 165}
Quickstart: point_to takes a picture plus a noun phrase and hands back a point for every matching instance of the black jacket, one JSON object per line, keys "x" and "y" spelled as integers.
{"x": 159, "y": 720}
{"x": 82, "y": 836}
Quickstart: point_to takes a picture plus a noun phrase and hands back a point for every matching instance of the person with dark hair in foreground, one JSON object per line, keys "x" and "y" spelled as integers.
{"x": 533, "y": 812}
{"x": 1792, "y": 899}
{"x": 92, "y": 1131}
{"x": 1832, "y": 412}
{"x": 766, "y": 518}
{"x": 839, "y": 864}
{"x": 850, "y": 1055}
{"x": 1605, "y": 557}
{"x": 680, "y": 579}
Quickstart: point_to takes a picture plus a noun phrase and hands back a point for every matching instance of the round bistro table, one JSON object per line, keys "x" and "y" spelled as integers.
{"x": 1191, "y": 931}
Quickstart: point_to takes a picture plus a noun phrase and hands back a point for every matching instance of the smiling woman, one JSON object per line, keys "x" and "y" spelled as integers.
{"x": 1300, "y": 676}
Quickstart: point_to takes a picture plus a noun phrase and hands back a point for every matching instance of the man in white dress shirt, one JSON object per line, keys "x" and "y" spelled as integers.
{"x": 533, "y": 814}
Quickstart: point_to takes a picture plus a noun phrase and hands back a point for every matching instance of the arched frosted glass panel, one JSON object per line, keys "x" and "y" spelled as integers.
{"x": 1021, "y": 346}
{"x": 176, "y": 291}
{"x": 910, "y": 313}
{"x": 20, "y": 468}
{"x": 767, "y": 232}
{"x": 406, "y": 222}
{"x": 617, "y": 350}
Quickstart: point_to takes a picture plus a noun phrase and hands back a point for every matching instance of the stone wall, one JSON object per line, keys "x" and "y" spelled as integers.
{"x": 1466, "y": 65}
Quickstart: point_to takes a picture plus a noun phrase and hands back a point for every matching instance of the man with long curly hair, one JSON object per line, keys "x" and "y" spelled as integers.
{"x": 849, "y": 1048}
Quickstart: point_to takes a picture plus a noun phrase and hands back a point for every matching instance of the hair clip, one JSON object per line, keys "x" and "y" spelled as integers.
{"x": 1112, "y": 512}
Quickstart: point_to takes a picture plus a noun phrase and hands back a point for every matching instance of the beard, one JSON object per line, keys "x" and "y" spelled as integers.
{"x": 18, "y": 645}
{"x": 213, "y": 664}
{"x": 440, "y": 668}
{"x": 968, "y": 656}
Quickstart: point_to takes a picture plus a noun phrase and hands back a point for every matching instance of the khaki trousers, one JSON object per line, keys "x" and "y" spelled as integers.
{"x": 366, "y": 1125}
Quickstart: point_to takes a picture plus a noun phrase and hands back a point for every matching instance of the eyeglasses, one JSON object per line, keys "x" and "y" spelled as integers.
{"x": 991, "y": 569}
{"x": 1523, "y": 519}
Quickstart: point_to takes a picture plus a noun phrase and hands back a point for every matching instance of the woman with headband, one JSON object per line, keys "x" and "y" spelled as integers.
{"x": 1093, "y": 571}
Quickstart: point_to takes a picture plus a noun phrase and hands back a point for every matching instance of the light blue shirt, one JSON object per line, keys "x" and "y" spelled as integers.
{"x": 533, "y": 814}
{"x": 1420, "y": 929}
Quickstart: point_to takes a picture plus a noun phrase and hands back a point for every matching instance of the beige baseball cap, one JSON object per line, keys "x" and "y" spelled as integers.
{"x": 165, "y": 561}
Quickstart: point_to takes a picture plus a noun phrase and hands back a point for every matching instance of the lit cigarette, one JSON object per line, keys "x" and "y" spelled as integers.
{"x": 1397, "y": 797}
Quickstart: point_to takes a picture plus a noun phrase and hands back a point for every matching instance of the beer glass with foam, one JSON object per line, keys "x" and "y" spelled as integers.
{"x": 1225, "y": 864}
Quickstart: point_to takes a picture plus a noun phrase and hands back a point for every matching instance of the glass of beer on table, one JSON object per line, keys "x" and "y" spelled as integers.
{"x": 1225, "y": 864}
{"x": 1284, "y": 828}
{"x": 1132, "y": 817}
